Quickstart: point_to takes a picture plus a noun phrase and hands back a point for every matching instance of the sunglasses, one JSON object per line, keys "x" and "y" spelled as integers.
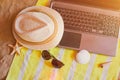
{"x": 47, "y": 56}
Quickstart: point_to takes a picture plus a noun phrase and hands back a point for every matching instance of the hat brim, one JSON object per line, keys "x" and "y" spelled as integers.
{"x": 50, "y": 44}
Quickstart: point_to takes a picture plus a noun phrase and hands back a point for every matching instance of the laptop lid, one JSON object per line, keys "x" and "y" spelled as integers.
{"x": 108, "y": 4}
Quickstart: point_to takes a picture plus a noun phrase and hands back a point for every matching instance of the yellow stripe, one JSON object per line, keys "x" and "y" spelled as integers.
{"x": 67, "y": 60}
{"x": 32, "y": 65}
{"x": 112, "y": 72}
{"x": 97, "y": 71}
{"x": 16, "y": 65}
{"x": 54, "y": 51}
{"x": 115, "y": 66}
{"x": 48, "y": 68}
{"x": 42, "y": 2}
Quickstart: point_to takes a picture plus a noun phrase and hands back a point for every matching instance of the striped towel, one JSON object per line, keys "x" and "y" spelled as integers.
{"x": 29, "y": 65}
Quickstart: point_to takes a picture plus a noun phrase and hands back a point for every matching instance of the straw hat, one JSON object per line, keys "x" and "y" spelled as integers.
{"x": 39, "y": 28}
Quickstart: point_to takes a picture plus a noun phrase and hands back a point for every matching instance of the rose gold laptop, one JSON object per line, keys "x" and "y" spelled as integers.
{"x": 90, "y": 24}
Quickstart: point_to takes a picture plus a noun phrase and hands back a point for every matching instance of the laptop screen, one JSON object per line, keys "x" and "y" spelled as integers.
{"x": 108, "y": 4}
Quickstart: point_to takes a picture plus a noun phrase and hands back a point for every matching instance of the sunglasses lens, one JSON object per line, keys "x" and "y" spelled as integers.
{"x": 46, "y": 55}
{"x": 56, "y": 63}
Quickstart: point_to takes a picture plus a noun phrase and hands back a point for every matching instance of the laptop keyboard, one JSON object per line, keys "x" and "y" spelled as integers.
{"x": 89, "y": 22}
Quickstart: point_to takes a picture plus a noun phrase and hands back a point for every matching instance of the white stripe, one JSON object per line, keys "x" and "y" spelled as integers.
{"x": 72, "y": 70}
{"x": 24, "y": 65}
{"x": 61, "y": 53}
{"x": 90, "y": 67}
{"x": 39, "y": 68}
{"x": 105, "y": 69}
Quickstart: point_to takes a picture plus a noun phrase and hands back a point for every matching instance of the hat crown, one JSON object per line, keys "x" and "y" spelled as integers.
{"x": 34, "y": 26}
{"x": 29, "y": 23}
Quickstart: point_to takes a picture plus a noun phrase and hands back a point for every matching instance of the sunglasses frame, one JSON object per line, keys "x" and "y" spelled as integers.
{"x": 55, "y": 62}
